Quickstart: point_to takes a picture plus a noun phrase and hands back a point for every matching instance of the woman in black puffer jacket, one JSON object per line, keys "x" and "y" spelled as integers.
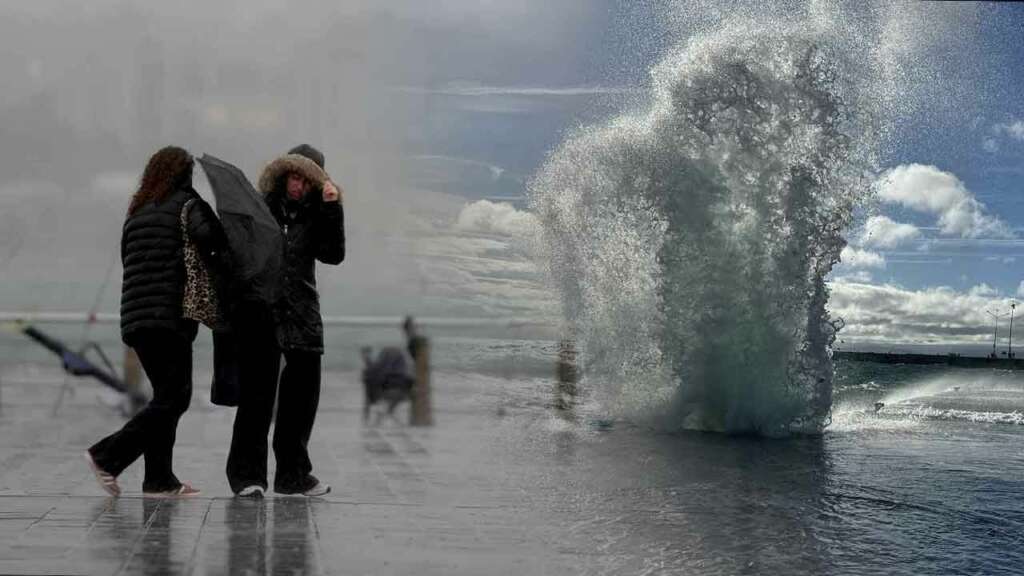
{"x": 152, "y": 322}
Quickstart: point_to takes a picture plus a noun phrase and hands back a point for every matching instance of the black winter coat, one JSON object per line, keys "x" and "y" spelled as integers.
{"x": 152, "y": 254}
{"x": 314, "y": 231}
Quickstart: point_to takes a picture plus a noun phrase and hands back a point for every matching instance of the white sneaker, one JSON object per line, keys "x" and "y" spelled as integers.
{"x": 255, "y": 492}
{"x": 318, "y": 489}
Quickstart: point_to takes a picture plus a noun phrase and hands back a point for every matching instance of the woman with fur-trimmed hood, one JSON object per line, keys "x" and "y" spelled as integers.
{"x": 307, "y": 206}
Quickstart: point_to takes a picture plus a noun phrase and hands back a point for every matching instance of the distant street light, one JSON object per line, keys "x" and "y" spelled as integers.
{"x": 1009, "y": 347}
{"x": 995, "y": 333}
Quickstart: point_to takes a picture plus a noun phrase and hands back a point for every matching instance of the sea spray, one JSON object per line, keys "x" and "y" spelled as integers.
{"x": 690, "y": 238}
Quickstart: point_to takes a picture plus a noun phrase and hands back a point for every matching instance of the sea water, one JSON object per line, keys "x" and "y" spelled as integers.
{"x": 928, "y": 483}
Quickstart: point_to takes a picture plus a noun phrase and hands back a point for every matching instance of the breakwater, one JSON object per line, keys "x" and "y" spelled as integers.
{"x": 951, "y": 359}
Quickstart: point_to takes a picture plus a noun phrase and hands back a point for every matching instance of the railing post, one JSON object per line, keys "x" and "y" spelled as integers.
{"x": 420, "y": 408}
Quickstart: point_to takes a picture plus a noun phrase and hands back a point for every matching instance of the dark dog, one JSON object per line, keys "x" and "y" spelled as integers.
{"x": 389, "y": 377}
{"x": 386, "y": 378}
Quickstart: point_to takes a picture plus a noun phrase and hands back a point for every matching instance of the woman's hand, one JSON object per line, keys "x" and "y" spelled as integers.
{"x": 332, "y": 193}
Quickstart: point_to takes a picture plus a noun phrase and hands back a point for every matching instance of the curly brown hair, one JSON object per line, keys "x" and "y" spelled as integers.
{"x": 166, "y": 170}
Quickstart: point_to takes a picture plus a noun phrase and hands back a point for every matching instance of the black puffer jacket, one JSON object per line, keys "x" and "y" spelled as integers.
{"x": 152, "y": 253}
{"x": 313, "y": 231}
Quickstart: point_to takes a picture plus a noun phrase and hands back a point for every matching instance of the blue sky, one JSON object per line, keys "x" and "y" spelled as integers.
{"x": 975, "y": 135}
{"x": 428, "y": 108}
{"x": 956, "y": 256}
{"x": 974, "y": 139}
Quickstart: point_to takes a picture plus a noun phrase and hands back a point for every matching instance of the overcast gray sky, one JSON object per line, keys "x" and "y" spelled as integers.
{"x": 389, "y": 91}
{"x": 426, "y": 108}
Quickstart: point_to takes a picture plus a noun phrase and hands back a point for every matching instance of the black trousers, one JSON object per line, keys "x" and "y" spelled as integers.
{"x": 167, "y": 359}
{"x": 298, "y": 396}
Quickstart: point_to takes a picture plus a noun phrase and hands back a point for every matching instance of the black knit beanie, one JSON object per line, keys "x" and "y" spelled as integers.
{"x": 309, "y": 152}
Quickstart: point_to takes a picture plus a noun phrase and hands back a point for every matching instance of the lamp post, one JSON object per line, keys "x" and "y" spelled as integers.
{"x": 995, "y": 333}
{"x": 1009, "y": 346}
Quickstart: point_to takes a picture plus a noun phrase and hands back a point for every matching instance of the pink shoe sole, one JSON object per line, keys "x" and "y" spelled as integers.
{"x": 183, "y": 491}
{"x": 106, "y": 480}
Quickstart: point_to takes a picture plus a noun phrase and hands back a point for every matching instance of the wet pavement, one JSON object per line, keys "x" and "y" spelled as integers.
{"x": 404, "y": 501}
{"x": 507, "y": 483}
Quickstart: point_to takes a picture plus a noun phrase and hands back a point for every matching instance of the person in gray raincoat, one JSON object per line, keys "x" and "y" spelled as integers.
{"x": 307, "y": 207}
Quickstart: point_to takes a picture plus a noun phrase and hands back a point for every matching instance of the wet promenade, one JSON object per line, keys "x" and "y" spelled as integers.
{"x": 444, "y": 500}
{"x": 506, "y": 484}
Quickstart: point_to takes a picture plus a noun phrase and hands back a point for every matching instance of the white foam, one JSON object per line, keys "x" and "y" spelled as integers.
{"x": 690, "y": 236}
{"x": 931, "y": 413}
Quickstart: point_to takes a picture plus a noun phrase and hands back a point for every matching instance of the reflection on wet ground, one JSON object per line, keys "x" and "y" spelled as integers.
{"x": 148, "y": 536}
{"x": 507, "y": 482}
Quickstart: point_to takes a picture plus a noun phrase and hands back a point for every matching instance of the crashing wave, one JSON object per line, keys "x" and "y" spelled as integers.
{"x": 690, "y": 239}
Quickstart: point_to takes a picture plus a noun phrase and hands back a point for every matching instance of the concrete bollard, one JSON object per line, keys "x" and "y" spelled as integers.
{"x": 567, "y": 361}
{"x": 420, "y": 413}
{"x": 566, "y": 376}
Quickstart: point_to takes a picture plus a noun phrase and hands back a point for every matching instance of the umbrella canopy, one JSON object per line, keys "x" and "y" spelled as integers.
{"x": 253, "y": 234}
{"x": 76, "y": 364}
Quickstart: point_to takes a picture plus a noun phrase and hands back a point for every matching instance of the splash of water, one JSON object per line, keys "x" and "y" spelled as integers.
{"x": 690, "y": 239}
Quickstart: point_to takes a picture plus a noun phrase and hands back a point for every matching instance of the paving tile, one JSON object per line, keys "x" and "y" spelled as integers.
{"x": 405, "y": 500}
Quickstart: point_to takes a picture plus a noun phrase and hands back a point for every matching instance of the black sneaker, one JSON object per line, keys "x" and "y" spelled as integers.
{"x": 312, "y": 487}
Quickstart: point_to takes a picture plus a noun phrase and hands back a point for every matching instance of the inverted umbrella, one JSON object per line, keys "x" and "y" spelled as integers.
{"x": 76, "y": 364}
{"x": 253, "y": 234}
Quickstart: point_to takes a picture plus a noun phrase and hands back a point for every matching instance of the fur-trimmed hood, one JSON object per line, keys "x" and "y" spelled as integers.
{"x": 291, "y": 163}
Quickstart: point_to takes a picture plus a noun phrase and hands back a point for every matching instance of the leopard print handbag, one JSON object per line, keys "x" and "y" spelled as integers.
{"x": 200, "y": 302}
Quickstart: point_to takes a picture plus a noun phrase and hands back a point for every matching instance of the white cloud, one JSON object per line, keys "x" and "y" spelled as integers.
{"x": 486, "y": 217}
{"x": 983, "y": 290}
{"x": 900, "y": 316}
{"x": 1001, "y": 259}
{"x": 930, "y": 190}
{"x": 855, "y": 258}
{"x": 1014, "y": 129}
{"x": 862, "y": 276}
{"x": 1020, "y": 290}
{"x": 883, "y": 232}
{"x": 449, "y": 258}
